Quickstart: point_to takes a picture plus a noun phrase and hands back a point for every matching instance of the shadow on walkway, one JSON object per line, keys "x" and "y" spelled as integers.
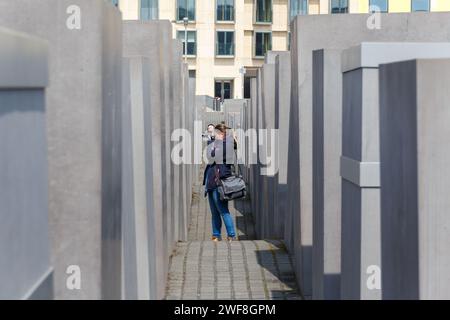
{"x": 244, "y": 269}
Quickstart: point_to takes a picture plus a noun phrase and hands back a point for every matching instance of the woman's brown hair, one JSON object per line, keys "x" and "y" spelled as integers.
{"x": 222, "y": 128}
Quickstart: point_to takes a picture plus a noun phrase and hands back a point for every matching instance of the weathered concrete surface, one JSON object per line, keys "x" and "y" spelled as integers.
{"x": 233, "y": 105}
{"x": 167, "y": 99}
{"x": 415, "y": 224}
{"x": 253, "y": 141}
{"x": 189, "y": 123}
{"x": 333, "y": 32}
{"x": 249, "y": 152}
{"x": 271, "y": 57}
{"x": 361, "y": 250}
{"x": 83, "y": 131}
{"x": 138, "y": 205}
{"x": 129, "y": 243}
{"x": 234, "y": 112}
{"x": 139, "y": 40}
{"x": 269, "y": 221}
{"x": 282, "y": 106}
{"x": 192, "y": 114}
{"x": 257, "y": 189}
{"x": 184, "y": 196}
{"x": 25, "y": 270}
{"x": 170, "y": 107}
{"x": 244, "y": 153}
{"x": 24, "y": 60}
{"x": 327, "y": 138}
{"x": 233, "y": 109}
{"x": 176, "y": 85}
{"x": 269, "y": 112}
{"x": 268, "y": 154}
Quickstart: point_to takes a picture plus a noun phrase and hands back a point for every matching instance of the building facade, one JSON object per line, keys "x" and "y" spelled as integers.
{"x": 227, "y": 39}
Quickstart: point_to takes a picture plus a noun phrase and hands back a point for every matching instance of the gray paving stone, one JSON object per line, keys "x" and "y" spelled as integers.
{"x": 246, "y": 269}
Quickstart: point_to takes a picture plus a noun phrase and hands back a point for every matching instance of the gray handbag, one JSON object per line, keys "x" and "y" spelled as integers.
{"x": 231, "y": 188}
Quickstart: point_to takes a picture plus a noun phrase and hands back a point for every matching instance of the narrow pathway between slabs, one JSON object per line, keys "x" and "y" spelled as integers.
{"x": 244, "y": 269}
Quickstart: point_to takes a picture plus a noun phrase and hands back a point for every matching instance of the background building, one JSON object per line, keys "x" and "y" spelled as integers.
{"x": 362, "y": 6}
{"x": 223, "y": 36}
{"x": 227, "y": 39}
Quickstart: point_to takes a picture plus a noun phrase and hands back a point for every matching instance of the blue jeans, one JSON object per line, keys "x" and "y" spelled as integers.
{"x": 219, "y": 211}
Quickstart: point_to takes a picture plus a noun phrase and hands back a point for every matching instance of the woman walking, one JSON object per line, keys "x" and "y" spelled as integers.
{"x": 220, "y": 158}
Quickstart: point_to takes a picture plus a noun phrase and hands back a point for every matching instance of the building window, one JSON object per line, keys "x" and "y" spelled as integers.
{"x": 191, "y": 42}
{"x": 378, "y": 6}
{"x": 225, "y": 10}
{"x": 263, "y": 43}
{"x": 298, "y": 7}
{"x": 186, "y": 8}
{"x": 420, "y": 5}
{"x": 223, "y": 89}
{"x": 225, "y": 43}
{"x": 263, "y": 11}
{"x": 339, "y": 6}
{"x": 149, "y": 9}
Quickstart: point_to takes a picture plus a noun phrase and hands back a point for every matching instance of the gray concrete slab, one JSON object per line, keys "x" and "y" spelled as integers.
{"x": 176, "y": 123}
{"x": 233, "y": 105}
{"x": 139, "y": 39}
{"x": 317, "y": 32}
{"x": 271, "y": 57}
{"x": 192, "y": 116}
{"x": 414, "y": 135}
{"x": 184, "y": 195}
{"x": 137, "y": 210}
{"x": 25, "y": 269}
{"x": 129, "y": 244}
{"x": 154, "y": 140}
{"x": 327, "y": 141}
{"x": 360, "y": 161}
{"x": 245, "y": 148}
{"x": 258, "y": 195}
{"x": 83, "y": 121}
{"x": 24, "y": 53}
{"x": 167, "y": 99}
{"x": 282, "y": 108}
{"x": 271, "y": 218}
{"x": 253, "y": 140}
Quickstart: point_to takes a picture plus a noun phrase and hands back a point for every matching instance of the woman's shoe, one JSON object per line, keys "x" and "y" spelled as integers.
{"x": 231, "y": 239}
{"x": 215, "y": 239}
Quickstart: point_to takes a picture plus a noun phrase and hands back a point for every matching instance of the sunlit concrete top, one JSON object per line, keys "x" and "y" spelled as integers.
{"x": 372, "y": 54}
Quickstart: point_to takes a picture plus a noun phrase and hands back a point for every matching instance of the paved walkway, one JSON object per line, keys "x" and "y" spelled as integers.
{"x": 200, "y": 225}
{"x": 244, "y": 269}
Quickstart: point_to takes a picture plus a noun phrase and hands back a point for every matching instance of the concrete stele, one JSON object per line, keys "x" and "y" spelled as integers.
{"x": 415, "y": 225}
{"x": 360, "y": 161}
{"x": 327, "y": 138}
{"x": 84, "y": 137}
{"x": 25, "y": 269}
{"x": 338, "y": 31}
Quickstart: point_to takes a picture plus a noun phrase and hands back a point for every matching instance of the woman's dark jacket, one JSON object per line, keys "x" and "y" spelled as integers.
{"x": 220, "y": 157}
